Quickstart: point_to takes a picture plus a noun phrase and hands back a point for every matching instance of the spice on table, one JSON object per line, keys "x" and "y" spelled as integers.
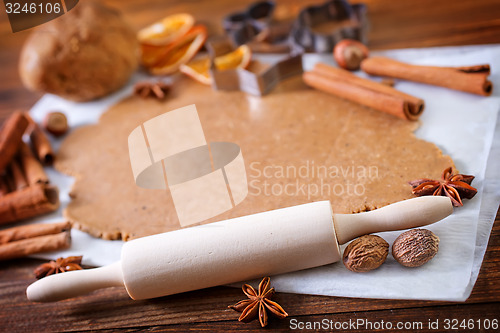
{"x": 471, "y": 79}
{"x": 33, "y": 169}
{"x": 28, "y": 202}
{"x": 56, "y": 123}
{"x": 25, "y": 247}
{"x": 24, "y": 240}
{"x": 61, "y": 265}
{"x": 454, "y": 186}
{"x": 344, "y": 84}
{"x": 365, "y": 253}
{"x": 32, "y": 230}
{"x": 24, "y": 187}
{"x": 258, "y": 303}
{"x": 4, "y": 187}
{"x": 388, "y": 82}
{"x": 40, "y": 141}
{"x": 19, "y": 180}
{"x": 11, "y": 134}
{"x": 146, "y": 89}
{"x": 415, "y": 247}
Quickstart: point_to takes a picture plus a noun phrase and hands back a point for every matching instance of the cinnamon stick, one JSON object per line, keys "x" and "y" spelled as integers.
{"x": 32, "y": 230}
{"x": 471, "y": 79}
{"x": 19, "y": 181}
{"x": 346, "y": 85}
{"x": 11, "y": 136}
{"x": 33, "y": 169}
{"x": 24, "y": 247}
{"x": 4, "y": 188}
{"x": 9, "y": 180}
{"x": 31, "y": 201}
{"x": 41, "y": 143}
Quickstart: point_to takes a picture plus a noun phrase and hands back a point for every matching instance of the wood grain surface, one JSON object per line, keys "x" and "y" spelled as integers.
{"x": 394, "y": 24}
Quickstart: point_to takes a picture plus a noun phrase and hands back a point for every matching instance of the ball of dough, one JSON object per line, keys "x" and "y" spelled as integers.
{"x": 82, "y": 55}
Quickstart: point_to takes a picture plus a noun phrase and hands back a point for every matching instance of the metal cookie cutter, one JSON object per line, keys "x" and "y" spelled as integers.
{"x": 253, "y": 80}
{"x": 247, "y": 25}
{"x": 319, "y": 28}
{"x": 256, "y": 28}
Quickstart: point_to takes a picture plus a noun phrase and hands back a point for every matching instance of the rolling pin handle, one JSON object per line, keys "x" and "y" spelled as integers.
{"x": 75, "y": 283}
{"x": 401, "y": 215}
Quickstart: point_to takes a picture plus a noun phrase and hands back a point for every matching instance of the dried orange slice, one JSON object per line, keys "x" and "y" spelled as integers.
{"x": 180, "y": 52}
{"x": 151, "y": 54}
{"x": 167, "y": 30}
{"x": 199, "y": 69}
{"x": 239, "y": 58}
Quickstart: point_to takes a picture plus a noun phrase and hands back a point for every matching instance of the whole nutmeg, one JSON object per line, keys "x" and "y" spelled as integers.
{"x": 415, "y": 247}
{"x": 365, "y": 253}
{"x": 56, "y": 123}
{"x": 349, "y": 53}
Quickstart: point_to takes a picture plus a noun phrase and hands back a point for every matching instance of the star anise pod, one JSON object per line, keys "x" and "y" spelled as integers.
{"x": 258, "y": 303}
{"x": 59, "y": 266}
{"x": 453, "y": 186}
{"x": 147, "y": 89}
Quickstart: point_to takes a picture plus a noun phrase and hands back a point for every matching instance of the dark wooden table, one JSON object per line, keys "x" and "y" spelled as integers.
{"x": 394, "y": 24}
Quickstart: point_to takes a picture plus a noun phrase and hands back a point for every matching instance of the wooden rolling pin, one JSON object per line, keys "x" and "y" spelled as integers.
{"x": 243, "y": 248}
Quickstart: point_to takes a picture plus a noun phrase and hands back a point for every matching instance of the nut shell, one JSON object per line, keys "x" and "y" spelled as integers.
{"x": 415, "y": 247}
{"x": 56, "y": 123}
{"x": 365, "y": 253}
{"x": 349, "y": 53}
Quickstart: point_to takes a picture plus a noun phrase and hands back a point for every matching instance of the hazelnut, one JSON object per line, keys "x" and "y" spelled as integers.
{"x": 415, "y": 247}
{"x": 56, "y": 123}
{"x": 349, "y": 53}
{"x": 365, "y": 253}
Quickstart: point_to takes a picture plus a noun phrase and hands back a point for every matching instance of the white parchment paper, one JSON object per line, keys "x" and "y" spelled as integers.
{"x": 461, "y": 124}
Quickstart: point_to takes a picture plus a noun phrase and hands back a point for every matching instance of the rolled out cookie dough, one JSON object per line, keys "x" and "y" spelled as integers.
{"x": 299, "y": 145}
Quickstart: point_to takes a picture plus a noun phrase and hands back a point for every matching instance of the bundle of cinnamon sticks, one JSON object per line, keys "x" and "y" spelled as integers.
{"x": 471, "y": 79}
{"x": 21, "y": 241}
{"x": 340, "y": 82}
{"x": 24, "y": 186}
{"x": 381, "y": 97}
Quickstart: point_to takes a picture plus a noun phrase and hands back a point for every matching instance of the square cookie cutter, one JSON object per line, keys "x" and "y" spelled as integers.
{"x": 252, "y": 80}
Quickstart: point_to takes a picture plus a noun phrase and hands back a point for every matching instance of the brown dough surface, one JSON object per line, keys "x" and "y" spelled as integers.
{"x": 290, "y": 128}
{"x": 85, "y": 54}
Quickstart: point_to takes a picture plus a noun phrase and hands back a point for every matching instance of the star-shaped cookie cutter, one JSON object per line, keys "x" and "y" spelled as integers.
{"x": 251, "y": 81}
